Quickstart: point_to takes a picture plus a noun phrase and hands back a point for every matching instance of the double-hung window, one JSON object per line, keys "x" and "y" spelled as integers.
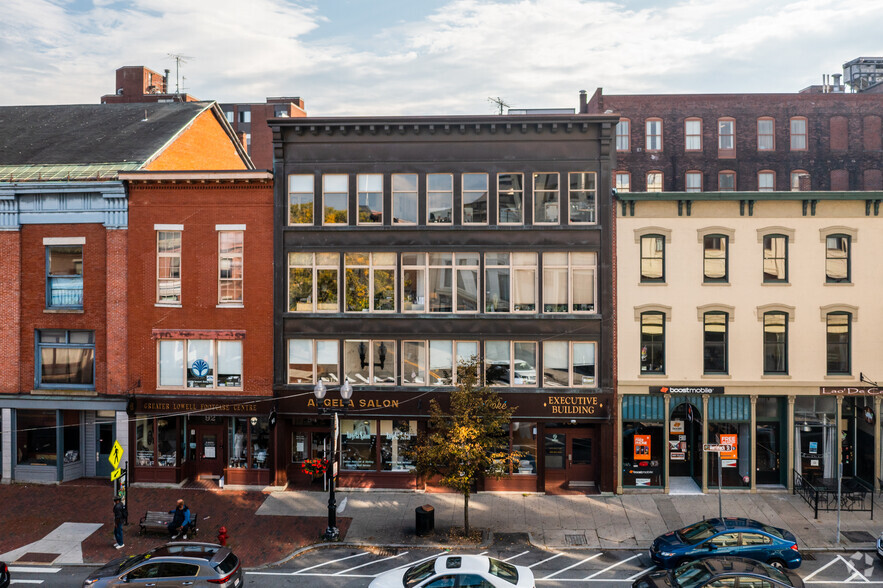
{"x": 370, "y": 196}
{"x": 369, "y": 363}
{"x": 766, "y": 138}
{"x": 652, "y": 342}
{"x": 439, "y": 199}
{"x": 775, "y": 258}
{"x": 568, "y": 364}
{"x": 335, "y": 197}
{"x": 546, "y": 198}
{"x": 652, "y": 258}
{"x": 404, "y": 199}
{"x": 64, "y": 276}
{"x": 653, "y": 135}
{"x": 654, "y": 181}
{"x": 622, "y": 134}
{"x": 300, "y": 199}
{"x": 313, "y": 282}
{"x": 230, "y": 254}
{"x": 582, "y": 197}
{"x": 569, "y": 282}
{"x": 510, "y": 363}
{"x": 726, "y": 181}
{"x": 775, "y": 343}
{"x": 715, "y": 342}
{"x": 510, "y": 198}
{"x": 839, "y": 343}
{"x": 798, "y": 134}
{"x": 726, "y": 137}
{"x": 168, "y": 266}
{"x": 766, "y": 181}
{"x": 510, "y": 282}
{"x": 440, "y": 282}
{"x": 370, "y": 282}
{"x": 65, "y": 359}
{"x": 475, "y": 188}
{"x": 837, "y": 254}
{"x": 693, "y": 134}
{"x": 200, "y": 363}
{"x": 311, "y": 361}
{"x": 623, "y": 182}
{"x": 715, "y": 258}
{"x": 693, "y": 181}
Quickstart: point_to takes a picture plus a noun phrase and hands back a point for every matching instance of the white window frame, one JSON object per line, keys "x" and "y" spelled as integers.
{"x": 160, "y": 229}
{"x": 696, "y": 135}
{"x": 570, "y": 267}
{"x": 797, "y": 138}
{"x": 514, "y": 268}
{"x": 731, "y": 122}
{"x": 618, "y": 184}
{"x": 623, "y": 135}
{"x": 372, "y": 267}
{"x": 661, "y": 181}
{"x": 308, "y": 196}
{"x": 512, "y": 383}
{"x": 326, "y": 192}
{"x": 315, "y": 266}
{"x": 696, "y": 178}
{"x": 232, "y": 257}
{"x": 520, "y": 221}
{"x": 464, "y": 192}
{"x": 454, "y": 267}
{"x": 430, "y": 193}
{"x": 369, "y": 356}
{"x": 592, "y": 191}
{"x": 403, "y": 194}
{"x": 537, "y": 198}
{"x": 360, "y": 191}
{"x": 571, "y": 376}
{"x": 766, "y": 174}
{"x": 314, "y": 357}
{"x": 652, "y": 138}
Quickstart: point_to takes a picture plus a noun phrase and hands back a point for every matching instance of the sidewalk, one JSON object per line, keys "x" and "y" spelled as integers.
{"x": 45, "y": 523}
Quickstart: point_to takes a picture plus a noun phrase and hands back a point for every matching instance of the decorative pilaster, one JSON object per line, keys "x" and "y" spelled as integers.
{"x": 753, "y": 451}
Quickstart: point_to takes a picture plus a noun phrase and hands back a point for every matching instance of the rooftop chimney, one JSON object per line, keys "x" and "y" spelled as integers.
{"x": 583, "y": 102}
{"x": 165, "y": 89}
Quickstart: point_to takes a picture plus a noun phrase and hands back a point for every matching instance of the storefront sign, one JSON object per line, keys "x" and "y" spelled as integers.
{"x": 728, "y": 458}
{"x": 573, "y": 404}
{"x": 678, "y": 456}
{"x": 676, "y": 427}
{"x": 642, "y": 446}
{"x": 851, "y": 390}
{"x": 686, "y": 389}
{"x": 194, "y": 405}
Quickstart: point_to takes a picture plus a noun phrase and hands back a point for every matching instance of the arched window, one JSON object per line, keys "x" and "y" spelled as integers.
{"x": 766, "y": 134}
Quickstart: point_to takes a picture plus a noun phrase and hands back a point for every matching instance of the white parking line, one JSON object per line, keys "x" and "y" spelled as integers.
{"x": 650, "y": 569}
{"x": 590, "y": 558}
{"x": 545, "y": 560}
{"x": 608, "y": 568}
{"x": 414, "y": 563}
{"x": 372, "y": 563}
{"x": 16, "y": 581}
{"x": 24, "y": 570}
{"x": 830, "y": 563}
{"x": 514, "y": 556}
{"x": 319, "y": 565}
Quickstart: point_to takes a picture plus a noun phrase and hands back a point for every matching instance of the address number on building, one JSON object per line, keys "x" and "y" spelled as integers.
{"x": 717, "y": 447}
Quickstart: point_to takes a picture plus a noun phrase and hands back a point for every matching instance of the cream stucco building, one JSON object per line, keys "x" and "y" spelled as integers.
{"x": 746, "y": 318}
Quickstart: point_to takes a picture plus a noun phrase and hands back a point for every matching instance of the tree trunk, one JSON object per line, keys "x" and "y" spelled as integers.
{"x": 466, "y": 511}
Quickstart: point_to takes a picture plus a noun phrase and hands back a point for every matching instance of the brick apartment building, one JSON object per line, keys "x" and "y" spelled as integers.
{"x": 63, "y": 257}
{"x": 136, "y": 83}
{"x": 746, "y": 142}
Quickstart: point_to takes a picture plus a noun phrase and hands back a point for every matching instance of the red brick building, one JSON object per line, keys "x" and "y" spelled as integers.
{"x": 201, "y": 325}
{"x": 63, "y": 255}
{"x": 745, "y": 142}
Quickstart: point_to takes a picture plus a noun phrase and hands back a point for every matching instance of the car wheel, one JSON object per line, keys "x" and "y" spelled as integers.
{"x": 777, "y": 563}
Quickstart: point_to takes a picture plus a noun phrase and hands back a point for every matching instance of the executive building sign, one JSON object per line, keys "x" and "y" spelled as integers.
{"x": 686, "y": 389}
{"x": 851, "y": 390}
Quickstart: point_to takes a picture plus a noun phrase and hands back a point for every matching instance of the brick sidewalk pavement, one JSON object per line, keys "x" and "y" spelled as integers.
{"x": 30, "y": 511}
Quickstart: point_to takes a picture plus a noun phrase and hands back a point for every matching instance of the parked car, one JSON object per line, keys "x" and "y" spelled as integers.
{"x": 457, "y": 571}
{"x": 721, "y": 572}
{"x": 174, "y": 564}
{"x": 730, "y": 536}
{"x": 880, "y": 546}
{"x": 4, "y": 575}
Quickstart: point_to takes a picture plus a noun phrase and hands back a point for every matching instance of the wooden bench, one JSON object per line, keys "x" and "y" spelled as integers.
{"x": 158, "y": 520}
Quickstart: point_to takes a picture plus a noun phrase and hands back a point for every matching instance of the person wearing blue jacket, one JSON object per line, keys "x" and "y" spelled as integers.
{"x": 180, "y": 520}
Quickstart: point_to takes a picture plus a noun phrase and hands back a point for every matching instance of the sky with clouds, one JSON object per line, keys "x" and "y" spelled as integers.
{"x": 361, "y": 57}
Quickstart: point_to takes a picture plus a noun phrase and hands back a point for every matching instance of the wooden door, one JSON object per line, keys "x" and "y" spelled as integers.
{"x": 581, "y": 457}
{"x": 210, "y": 456}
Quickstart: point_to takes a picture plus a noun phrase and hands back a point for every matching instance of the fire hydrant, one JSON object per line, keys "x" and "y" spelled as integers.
{"x": 222, "y": 536}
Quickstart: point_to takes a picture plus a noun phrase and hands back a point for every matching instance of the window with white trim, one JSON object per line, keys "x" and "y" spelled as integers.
{"x": 313, "y": 360}
{"x": 693, "y": 134}
{"x": 475, "y": 188}
{"x": 440, "y": 282}
{"x": 510, "y": 282}
{"x": 439, "y": 199}
{"x": 369, "y": 362}
{"x": 404, "y": 199}
{"x": 370, "y": 199}
{"x": 168, "y": 266}
{"x": 581, "y": 190}
{"x": 510, "y": 363}
{"x": 335, "y": 197}
{"x": 230, "y": 255}
{"x": 622, "y": 134}
{"x": 569, "y": 282}
{"x": 300, "y": 199}
{"x": 546, "y": 199}
{"x": 510, "y": 199}
{"x": 569, "y": 364}
{"x": 370, "y": 283}
{"x": 199, "y": 363}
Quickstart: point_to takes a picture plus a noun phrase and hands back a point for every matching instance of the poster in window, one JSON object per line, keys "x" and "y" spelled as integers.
{"x": 729, "y": 458}
{"x": 813, "y": 446}
{"x": 642, "y": 447}
{"x": 678, "y": 456}
{"x": 677, "y": 426}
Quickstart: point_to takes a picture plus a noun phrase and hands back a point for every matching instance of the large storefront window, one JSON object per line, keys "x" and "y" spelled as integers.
{"x": 643, "y": 444}
{"x": 167, "y": 433}
{"x": 729, "y": 423}
{"x": 260, "y": 443}
{"x": 358, "y": 443}
{"x": 249, "y": 442}
{"x": 771, "y": 466}
{"x": 814, "y": 436}
{"x": 524, "y": 442}
{"x": 36, "y": 437}
{"x": 144, "y": 446}
{"x": 164, "y": 452}
{"x": 857, "y": 444}
{"x": 396, "y": 439}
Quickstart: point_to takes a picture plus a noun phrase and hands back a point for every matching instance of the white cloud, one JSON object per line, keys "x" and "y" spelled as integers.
{"x": 530, "y": 52}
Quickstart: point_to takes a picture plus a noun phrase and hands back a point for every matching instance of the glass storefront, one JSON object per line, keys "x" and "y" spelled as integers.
{"x": 71, "y": 436}
{"x": 643, "y": 444}
{"x": 158, "y": 442}
{"x": 857, "y": 441}
{"x": 358, "y": 444}
{"x": 396, "y": 439}
{"x": 814, "y": 434}
{"x": 249, "y": 442}
{"x": 770, "y": 459}
{"x": 729, "y": 423}
{"x": 36, "y": 437}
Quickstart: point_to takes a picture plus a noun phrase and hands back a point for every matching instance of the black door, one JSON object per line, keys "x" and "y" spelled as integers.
{"x": 104, "y": 443}
{"x": 767, "y": 451}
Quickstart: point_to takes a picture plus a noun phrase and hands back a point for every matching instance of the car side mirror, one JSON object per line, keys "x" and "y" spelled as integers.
{"x": 712, "y": 546}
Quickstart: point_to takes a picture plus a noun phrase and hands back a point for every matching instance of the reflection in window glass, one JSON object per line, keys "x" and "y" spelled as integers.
{"x": 715, "y": 262}
{"x": 475, "y": 188}
{"x": 652, "y": 343}
{"x": 496, "y": 282}
{"x": 652, "y": 258}
{"x": 260, "y": 444}
{"x": 357, "y": 444}
{"x": 775, "y": 343}
{"x": 524, "y": 366}
{"x": 524, "y": 441}
{"x": 510, "y": 198}
{"x": 413, "y": 282}
{"x": 167, "y": 432}
{"x": 582, "y": 197}
{"x": 775, "y": 258}
{"x": 583, "y": 364}
{"x": 715, "y": 343}
{"x": 556, "y": 372}
{"x": 441, "y": 363}
{"x": 36, "y": 437}
{"x": 413, "y": 362}
{"x": 200, "y": 371}
{"x": 396, "y": 438}
{"x": 327, "y": 361}
{"x": 370, "y": 199}
{"x": 439, "y": 198}
{"x": 467, "y": 352}
{"x": 335, "y": 194}
{"x": 726, "y": 181}
{"x": 546, "y": 198}
{"x": 144, "y": 445}
{"x": 837, "y": 258}
{"x": 838, "y": 342}
{"x": 568, "y": 282}
{"x": 300, "y": 199}
{"x": 300, "y": 361}
{"x": 404, "y": 199}
{"x": 497, "y": 363}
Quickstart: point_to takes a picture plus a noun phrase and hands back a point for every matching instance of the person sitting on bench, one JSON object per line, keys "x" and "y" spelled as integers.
{"x": 180, "y": 520}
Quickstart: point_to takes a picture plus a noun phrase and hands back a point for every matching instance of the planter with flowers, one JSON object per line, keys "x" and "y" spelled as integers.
{"x": 315, "y": 468}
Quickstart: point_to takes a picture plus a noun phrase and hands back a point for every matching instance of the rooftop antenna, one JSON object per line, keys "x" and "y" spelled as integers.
{"x": 179, "y": 60}
{"x": 499, "y": 103}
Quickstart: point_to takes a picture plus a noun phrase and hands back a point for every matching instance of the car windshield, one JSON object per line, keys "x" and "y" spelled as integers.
{"x": 503, "y": 570}
{"x": 418, "y": 573}
{"x": 775, "y": 574}
{"x": 691, "y": 574}
{"x": 772, "y": 531}
{"x": 696, "y": 533}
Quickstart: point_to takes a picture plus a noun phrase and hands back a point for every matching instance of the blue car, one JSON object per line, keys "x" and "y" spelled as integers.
{"x": 728, "y": 537}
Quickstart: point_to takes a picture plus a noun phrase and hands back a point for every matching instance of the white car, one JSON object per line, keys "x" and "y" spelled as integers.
{"x": 457, "y": 571}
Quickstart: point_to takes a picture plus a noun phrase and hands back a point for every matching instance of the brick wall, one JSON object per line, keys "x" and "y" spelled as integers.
{"x": 10, "y": 307}
{"x": 117, "y": 340}
{"x": 843, "y": 133}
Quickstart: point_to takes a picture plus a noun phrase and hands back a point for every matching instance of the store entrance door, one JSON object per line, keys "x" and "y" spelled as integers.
{"x": 308, "y": 444}
{"x": 685, "y": 442}
{"x": 767, "y": 450}
{"x": 570, "y": 457}
{"x": 210, "y": 454}
{"x": 103, "y": 444}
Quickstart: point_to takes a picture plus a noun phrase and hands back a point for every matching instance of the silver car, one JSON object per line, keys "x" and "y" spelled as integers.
{"x": 174, "y": 564}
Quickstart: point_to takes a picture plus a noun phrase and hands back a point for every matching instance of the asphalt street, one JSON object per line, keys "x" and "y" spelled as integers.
{"x": 355, "y": 568}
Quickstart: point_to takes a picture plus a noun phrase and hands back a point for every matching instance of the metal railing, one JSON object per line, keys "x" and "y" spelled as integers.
{"x": 856, "y": 495}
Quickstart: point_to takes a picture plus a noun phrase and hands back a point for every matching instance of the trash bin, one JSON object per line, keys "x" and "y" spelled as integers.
{"x": 425, "y": 519}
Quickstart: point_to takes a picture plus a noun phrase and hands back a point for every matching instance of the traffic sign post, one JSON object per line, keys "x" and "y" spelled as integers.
{"x": 119, "y": 476}
{"x": 718, "y": 448}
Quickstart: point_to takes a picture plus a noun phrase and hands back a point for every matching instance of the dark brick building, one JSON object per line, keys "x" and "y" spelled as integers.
{"x": 746, "y": 142}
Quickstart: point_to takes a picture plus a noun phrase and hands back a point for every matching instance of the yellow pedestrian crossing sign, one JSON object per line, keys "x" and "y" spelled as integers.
{"x": 116, "y": 455}
{"x": 115, "y": 474}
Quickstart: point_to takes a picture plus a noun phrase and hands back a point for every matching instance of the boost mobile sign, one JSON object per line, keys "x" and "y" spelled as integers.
{"x": 686, "y": 389}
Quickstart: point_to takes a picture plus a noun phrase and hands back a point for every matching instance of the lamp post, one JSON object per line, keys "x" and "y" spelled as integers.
{"x": 332, "y": 533}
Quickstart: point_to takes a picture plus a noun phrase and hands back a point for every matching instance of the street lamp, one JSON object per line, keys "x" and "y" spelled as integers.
{"x": 332, "y": 533}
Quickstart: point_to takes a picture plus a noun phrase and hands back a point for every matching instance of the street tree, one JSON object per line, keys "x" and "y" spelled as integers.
{"x": 469, "y": 440}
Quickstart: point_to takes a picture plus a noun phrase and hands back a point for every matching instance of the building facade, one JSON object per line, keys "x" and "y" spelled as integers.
{"x": 747, "y": 319}
{"x": 407, "y": 245}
